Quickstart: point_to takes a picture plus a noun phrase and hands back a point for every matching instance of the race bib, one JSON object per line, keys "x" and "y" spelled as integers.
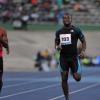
{"x": 65, "y": 39}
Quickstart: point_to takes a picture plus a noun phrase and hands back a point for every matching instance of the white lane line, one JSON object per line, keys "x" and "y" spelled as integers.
{"x": 30, "y": 81}
{"x": 19, "y": 84}
{"x": 17, "y": 79}
{"x": 73, "y": 92}
{"x": 29, "y": 91}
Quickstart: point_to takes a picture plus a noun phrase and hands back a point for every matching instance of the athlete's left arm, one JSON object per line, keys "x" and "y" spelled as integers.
{"x": 83, "y": 41}
{"x": 83, "y": 44}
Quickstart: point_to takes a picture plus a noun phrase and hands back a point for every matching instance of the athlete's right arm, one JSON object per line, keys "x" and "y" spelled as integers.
{"x": 57, "y": 41}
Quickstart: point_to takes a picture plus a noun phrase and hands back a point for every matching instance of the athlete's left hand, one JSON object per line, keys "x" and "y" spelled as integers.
{"x": 82, "y": 54}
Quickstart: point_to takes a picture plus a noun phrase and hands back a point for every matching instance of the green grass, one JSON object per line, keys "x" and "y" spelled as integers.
{"x": 51, "y": 27}
{"x": 90, "y": 27}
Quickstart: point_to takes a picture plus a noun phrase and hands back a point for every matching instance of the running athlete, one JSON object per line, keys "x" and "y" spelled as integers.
{"x": 3, "y": 43}
{"x": 66, "y": 41}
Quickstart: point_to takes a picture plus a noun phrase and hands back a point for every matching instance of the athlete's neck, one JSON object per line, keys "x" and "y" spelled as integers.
{"x": 67, "y": 26}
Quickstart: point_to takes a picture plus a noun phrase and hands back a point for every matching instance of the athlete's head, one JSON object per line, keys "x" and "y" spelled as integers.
{"x": 67, "y": 19}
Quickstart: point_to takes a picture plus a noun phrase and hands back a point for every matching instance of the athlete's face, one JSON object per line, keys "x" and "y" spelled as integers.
{"x": 67, "y": 20}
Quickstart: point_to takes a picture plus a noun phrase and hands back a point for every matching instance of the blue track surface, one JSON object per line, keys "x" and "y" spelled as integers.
{"x": 46, "y": 86}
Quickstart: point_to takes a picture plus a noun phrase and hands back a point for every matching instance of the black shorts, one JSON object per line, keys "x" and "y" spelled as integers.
{"x": 1, "y": 67}
{"x": 72, "y": 63}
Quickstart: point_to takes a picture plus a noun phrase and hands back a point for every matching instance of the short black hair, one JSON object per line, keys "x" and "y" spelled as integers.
{"x": 68, "y": 14}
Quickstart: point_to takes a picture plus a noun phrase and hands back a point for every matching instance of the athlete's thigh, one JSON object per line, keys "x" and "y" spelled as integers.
{"x": 64, "y": 64}
{"x": 74, "y": 64}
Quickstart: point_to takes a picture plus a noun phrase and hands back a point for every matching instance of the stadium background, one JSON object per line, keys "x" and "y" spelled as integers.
{"x": 31, "y": 25}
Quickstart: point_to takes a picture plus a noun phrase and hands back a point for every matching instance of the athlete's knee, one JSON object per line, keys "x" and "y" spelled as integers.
{"x": 64, "y": 81}
{"x": 77, "y": 77}
{"x": 64, "y": 76}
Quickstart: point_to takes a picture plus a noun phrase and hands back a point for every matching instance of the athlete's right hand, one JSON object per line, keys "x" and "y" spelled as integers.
{"x": 58, "y": 48}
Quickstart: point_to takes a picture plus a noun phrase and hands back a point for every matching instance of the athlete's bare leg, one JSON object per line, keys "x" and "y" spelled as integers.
{"x": 77, "y": 76}
{"x": 64, "y": 76}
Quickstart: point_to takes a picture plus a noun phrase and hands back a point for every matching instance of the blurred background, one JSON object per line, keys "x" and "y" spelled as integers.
{"x": 31, "y": 27}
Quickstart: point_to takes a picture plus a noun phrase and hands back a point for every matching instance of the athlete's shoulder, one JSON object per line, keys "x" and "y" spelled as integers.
{"x": 77, "y": 29}
{"x": 59, "y": 30}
